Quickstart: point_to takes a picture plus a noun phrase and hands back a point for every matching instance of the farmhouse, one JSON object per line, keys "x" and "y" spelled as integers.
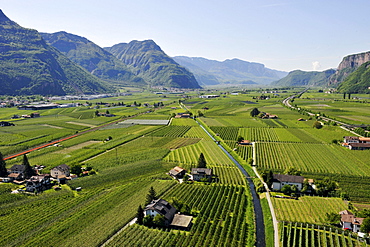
{"x": 201, "y": 173}
{"x": 349, "y": 221}
{"x": 244, "y": 142}
{"x": 172, "y": 219}
{"x": 279, "y": 180}
{"x": 356, "y": 143}
{"x": 177, "y": 172}
{"x": 19, "y": 169}
{"x": 182, "y": 115}
{"x": 161, "y": 207}
{"x": 60, "y": 171}
{"x": 38, "y": 183}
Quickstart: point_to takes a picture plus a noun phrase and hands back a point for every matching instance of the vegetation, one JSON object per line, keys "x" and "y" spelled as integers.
{"x": 202, "y": 161}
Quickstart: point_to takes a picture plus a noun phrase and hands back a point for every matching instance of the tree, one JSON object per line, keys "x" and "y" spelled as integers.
{"x": 28, "y": 171}
{"x": 76, "y": 169}
{"x": 240, "y": 139}
{"x": 107, "y": 112}
{"x": 152, "y": 195}
{"x": 317, "y": 125}
{"x": 365, "y": 227}
{"x": 287, "y": 189}
{"x": 332, "y": 218}
{"x": 202, "y": 161}
{"x": 292, "y": 171}
{"x": 255, "y": 112}
{"x": 140, "y": 215}
{"x": 3, "y": 171}
{"x": 159, "y": 220}
{"x": 148, "y": 220}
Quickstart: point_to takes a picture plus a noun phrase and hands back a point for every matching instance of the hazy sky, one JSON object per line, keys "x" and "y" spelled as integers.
{"x": 283, "y": 35}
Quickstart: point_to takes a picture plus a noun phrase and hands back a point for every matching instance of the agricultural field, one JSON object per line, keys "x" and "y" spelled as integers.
{"x": 307, "y": 209}
{"x": 353, "y": 111}
{"x": 216, "y": 224}
{"x": 128, "y": 160}
{"x": 313, "y": 158}
{"x": 298, "y": 234}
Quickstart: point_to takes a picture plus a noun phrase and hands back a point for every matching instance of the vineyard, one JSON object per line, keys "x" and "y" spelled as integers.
{"x": 307, "y": 209}
{"x": 312, "y": 158}
{"x": 307, "y": 235}
{"x": 226, "y": 223}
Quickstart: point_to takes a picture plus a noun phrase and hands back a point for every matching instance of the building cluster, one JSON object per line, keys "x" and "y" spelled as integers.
{"x": 197, "y": 174}
{"x": 38, "y": 182}
{"x": 356, "y": 142}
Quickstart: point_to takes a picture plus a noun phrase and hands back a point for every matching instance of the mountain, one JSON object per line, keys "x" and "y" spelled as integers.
{"x": 358, "y": 81}
{"x": 93, "y": 58}
{"x": 231, "y": 71}
{"x": 348, "y": 65}
{"x": 147, "y": 60}
{"x": 305, "y": 78}
{"x": 29, "y": 66}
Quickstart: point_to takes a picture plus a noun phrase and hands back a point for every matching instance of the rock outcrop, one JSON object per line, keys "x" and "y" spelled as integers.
{"x": 348, "y": 65}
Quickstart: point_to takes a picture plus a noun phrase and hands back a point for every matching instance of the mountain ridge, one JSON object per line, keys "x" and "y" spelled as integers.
{"x": 30, "y": 66}
{"x": 229, "y": 71}
{"x": 147, "y": 60}
{"x": 305, "y": 78}
{"x": 93, "y": 58}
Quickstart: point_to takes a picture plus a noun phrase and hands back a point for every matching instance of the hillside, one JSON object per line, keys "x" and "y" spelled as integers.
{"x": 93, "y": 58}
{"x": 29, "y": 66}
{"x": 305, "y": 78}
{"x": 147, "y": 60}
{"x": 358, "y": 81}
{"x": 231, "y": 71}
{"x": 348, "y": 65}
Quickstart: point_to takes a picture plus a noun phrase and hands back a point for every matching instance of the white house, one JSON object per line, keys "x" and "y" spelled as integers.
{"x": 279, "y": 180}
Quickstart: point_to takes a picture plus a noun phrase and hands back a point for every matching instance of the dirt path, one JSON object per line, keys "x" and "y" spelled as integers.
{"x": 82, "y": 124}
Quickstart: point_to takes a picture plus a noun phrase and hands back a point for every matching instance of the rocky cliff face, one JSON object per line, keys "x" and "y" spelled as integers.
{"x": 348, "y": 65}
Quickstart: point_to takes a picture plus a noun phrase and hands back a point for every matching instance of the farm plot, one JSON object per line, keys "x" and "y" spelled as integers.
{"x": 259, "y": 134}
{"x": 313, "y": 158}
{"x": 226, "y": 133}
{"x": 146, "y": 121}
{"x": 183, "y": 122}
{"x": 197, "y": 132}
{"x": 229, "y": 222}
{"x": 189, "y": 155}
{"x": 307, "y": 209}
{"x": 171, "y": 131}
{"x": 181, "y": 142}
{"x": 307, "y": 235}
{"x": 76, "y": 147}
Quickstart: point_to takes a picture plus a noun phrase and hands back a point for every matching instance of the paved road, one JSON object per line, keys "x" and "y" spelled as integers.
{"x": 260, "y": 225}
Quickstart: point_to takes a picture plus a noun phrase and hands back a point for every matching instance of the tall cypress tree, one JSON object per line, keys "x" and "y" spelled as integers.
{"x": 152, "y": 195}
{"x": 3, "y": 171}
{"x": 140, "y": 215}
{"x": 28, "y": 171}
{"x": 202, "y": 161}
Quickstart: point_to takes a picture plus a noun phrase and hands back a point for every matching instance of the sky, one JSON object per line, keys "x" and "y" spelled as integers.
{"x": 283, "y": 35}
